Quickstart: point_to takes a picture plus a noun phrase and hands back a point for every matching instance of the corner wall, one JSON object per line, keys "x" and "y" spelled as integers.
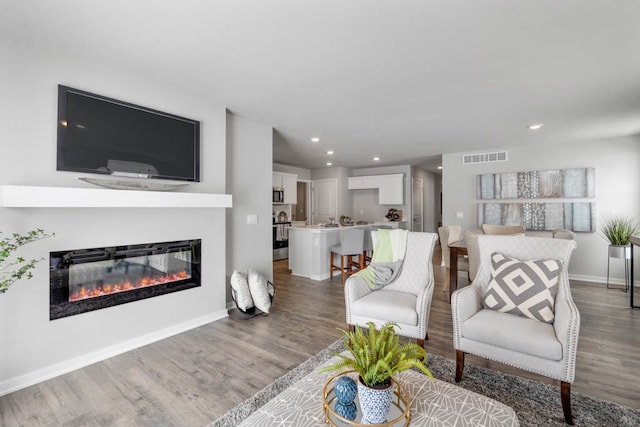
{"x": 33, "y": 348}
{"x": 617, "y": 170}
{"x": 249, "y": 160}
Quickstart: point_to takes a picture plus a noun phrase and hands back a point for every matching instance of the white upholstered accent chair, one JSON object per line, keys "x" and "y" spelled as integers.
{"x": 547, "y": 349}
{"x": 503, "y": 230}
{"x": 450, "y": 234}
{"x": 406, "y": 301}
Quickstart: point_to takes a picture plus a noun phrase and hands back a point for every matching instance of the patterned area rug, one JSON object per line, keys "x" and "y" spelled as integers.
{"x": 535, "y": 403}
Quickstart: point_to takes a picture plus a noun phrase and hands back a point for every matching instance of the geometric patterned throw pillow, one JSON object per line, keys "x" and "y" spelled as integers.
{"x": 523, "y": 288}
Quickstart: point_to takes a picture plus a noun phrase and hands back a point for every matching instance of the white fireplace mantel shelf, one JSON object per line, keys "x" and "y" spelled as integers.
{"x": 24, "y": 196}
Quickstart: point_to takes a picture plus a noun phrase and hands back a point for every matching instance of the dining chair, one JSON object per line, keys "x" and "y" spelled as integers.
{"x": 351, "y": 245}
{"x": 449, "y": 234}
{"x": 561, "y": 233}
{"x": 503, "y": 229}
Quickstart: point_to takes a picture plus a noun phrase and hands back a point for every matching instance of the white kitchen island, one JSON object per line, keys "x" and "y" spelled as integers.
{"x": 309, "y": 247}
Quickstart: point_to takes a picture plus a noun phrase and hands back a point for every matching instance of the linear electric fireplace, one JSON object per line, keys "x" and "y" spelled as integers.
{"x": 83, "y": 280}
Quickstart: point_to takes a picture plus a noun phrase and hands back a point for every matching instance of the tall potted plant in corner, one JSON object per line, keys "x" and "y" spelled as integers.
{"x": 618, "y": 231}
{"x": 12, "y": 270}
{"x": 377, "y": 356}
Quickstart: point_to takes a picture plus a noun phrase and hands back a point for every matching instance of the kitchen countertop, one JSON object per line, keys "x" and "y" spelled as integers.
{"x": 340, "y": 227}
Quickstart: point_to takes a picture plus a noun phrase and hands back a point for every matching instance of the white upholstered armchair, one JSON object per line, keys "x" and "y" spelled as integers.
{"x": 406, "y": 300}
{"x": 546, "y": 347}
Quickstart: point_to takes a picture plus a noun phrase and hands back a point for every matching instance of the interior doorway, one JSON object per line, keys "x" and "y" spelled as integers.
{"x": 417, "y": 208}
{"x": 324, "y": 200}
{"x": 302, "y": 208}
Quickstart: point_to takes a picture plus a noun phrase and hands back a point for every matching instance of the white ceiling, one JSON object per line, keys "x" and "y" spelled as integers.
{"x": 403, "y": 80}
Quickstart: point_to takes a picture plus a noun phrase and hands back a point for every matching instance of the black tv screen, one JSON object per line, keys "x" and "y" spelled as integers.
{"x": 101, "y": 135}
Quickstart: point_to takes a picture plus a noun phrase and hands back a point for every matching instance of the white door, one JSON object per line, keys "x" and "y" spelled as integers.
{"x": 417, "y": 207}
{"x": 324, "y": 200}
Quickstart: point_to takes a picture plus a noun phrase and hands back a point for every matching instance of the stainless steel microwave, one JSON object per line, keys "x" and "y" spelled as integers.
{"x": 278, "y": 195}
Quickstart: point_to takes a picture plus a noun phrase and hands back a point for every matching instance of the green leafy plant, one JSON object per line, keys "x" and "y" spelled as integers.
{"x": 377, "y": 356}
{"x": 12, "y": 270}
{"x": 619, "y": 229}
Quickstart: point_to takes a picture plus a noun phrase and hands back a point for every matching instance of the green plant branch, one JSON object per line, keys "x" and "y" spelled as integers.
{"x": 378, "y": 356}
{"x": 20, "y": 268}
{"x": 619, "y": 229}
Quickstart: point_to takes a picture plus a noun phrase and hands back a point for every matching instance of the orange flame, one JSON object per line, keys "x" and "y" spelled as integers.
{"x": 87, "y": 291}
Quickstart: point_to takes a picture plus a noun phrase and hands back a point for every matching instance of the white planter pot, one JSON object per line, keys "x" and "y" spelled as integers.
{"x": 618, "y": 251}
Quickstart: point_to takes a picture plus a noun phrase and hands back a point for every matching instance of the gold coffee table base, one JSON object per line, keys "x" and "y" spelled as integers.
{"x": 400, "y": 408}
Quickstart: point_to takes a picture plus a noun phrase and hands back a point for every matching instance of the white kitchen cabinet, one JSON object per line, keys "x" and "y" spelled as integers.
{"x": 289, "y": 183}
{"x": 362, "y": 182}
{"x": 391, "y": 189}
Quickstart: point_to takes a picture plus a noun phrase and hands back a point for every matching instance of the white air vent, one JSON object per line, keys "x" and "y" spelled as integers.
{"x": 496, "y": 156}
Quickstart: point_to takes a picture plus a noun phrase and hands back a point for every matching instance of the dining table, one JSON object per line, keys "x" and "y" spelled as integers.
{"x": 456, "y": 249}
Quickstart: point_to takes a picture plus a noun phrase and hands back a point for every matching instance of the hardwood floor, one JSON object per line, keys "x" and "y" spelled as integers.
{"x": 194, "y": 377}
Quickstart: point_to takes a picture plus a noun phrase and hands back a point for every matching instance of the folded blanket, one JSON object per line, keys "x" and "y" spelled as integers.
{"x": 386, "y": 262}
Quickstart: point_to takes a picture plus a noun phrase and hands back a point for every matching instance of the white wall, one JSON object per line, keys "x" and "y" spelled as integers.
{"x": 617, "y": 169}
{"x": 352, "y": 202}
{"x": 249, "y": 180}
{"x": 303, "y": 174}
{"x": 367, "y": 200}
{"x": 32, "y": 348}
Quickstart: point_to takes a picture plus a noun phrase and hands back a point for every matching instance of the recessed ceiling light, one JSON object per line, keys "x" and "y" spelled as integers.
{"x": 535, "y": 126}
{"x": 439, "y": 167}
{"x": 375, "y": 159}
{"x": 315, "y": 139}
{"x": 330, "y": 152}
{"x": 329, "y": 163}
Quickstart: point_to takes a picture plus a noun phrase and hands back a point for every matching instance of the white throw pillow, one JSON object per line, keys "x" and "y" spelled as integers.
{"x": 240, "y": 285}
{"x": 259, "y": 291}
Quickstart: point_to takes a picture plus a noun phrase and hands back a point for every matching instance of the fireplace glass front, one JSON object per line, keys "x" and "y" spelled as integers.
{"x": 91, "y": 279}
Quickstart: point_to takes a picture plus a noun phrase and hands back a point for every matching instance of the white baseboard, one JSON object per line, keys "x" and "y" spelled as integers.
{"x": 35, "y": 377}
{"x": 596, "y": 279}
{"x": 316, "y": 277}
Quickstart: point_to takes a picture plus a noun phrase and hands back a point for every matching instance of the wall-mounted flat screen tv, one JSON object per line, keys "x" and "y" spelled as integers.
{"x": 101, "y": 135}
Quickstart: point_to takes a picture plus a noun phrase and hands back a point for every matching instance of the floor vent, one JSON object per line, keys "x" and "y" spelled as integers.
{"x": 496, "y": 156}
